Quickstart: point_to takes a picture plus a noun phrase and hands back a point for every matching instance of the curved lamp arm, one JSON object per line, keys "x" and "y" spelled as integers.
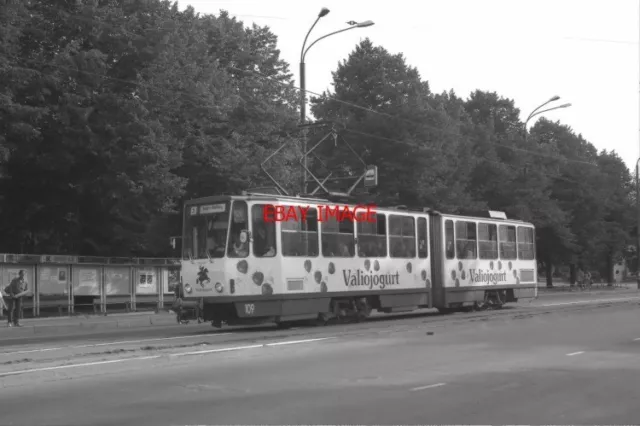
{"x": 322, "y": 13}
{"x": 359, "y": 25}
{"x": 553, "y": 99}
{"x": 550, "y": 109}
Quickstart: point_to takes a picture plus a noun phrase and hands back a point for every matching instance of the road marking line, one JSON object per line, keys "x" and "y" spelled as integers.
{"x": 437, "y": 385}
{"x": 589, "y": 301}
{"x": 31, "y": 351}
{"x": 211, "y": 351}
{"x": 92, "y": 345}
{"x": 575, "y": 353}
{"x": 86, "y": 364}
{"x": 294, "y": 342}
{"x": 635, "y": 340}
{"x": 238, "y": 348}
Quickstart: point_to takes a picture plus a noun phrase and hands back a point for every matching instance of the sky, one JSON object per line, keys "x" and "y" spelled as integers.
{"x": 585, "y": 51}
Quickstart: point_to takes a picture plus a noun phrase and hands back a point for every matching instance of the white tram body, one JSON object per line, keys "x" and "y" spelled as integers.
{"x": 477, "y": 255}
{"x": 246, "y": 269}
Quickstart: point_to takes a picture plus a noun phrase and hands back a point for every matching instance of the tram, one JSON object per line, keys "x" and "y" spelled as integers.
{"x": 246, "y": 268}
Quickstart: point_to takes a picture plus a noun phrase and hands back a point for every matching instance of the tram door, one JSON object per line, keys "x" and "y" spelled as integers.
{"x": 437, "y": 259}
{"x": 423, "y": 251}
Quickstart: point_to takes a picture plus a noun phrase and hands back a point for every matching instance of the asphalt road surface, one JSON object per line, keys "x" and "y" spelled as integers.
{"x": 156, "y": 334}
{"x": 561, "y": 364}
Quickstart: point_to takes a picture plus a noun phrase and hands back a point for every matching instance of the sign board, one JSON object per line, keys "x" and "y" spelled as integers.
{"x": 88, "y": 282}
{"x": 147, "y": 282}
{"x": 497, "y": 215}
{"x": 212, "y": 208}
{"x": 371, "y": 176}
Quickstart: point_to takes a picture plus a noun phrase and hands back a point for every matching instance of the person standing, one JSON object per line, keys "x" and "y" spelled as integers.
{"x": 3, "y": 305}
{"x": 580, "y": 277}
{"x": 177, "y": 304}
{"x": 18, "y": 285}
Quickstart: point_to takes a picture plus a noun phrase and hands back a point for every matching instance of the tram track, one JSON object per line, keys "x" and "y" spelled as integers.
{"x": 372, "y": 326}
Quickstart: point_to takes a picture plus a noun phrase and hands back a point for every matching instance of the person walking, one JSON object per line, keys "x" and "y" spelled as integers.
{"x": 14, "y": 293}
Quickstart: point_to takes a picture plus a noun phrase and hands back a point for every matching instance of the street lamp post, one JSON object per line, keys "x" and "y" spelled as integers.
{"x": 536, "y": 112}
{"x": 638, "y": 224}
{"x": 303, "y": 83}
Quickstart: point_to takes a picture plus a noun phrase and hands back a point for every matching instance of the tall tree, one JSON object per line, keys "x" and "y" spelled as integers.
{"x": 111, "y": 110}
{"x": 390, "y": 118}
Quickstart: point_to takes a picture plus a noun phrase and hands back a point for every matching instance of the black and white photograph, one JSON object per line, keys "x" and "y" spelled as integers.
{"x": 322, "y": 212}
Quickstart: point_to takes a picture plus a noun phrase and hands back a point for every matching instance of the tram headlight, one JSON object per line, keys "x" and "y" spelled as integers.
{"x": 219, "y": 287}
{"x": 187, "y": 288}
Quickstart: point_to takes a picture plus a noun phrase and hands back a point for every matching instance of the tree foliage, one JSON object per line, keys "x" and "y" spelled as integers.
{"x": 458, "y": 155}
{"x": 113, "y": 112}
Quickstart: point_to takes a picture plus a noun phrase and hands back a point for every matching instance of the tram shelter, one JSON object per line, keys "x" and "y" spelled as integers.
{"x": 76, "y": 285}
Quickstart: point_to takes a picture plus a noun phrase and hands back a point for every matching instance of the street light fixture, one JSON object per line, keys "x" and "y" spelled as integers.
{"x": 365, "y": 24}
{"x": 536, "y": 112}
{"x": 551, "y": 109}
{"x": 303, "y": 83}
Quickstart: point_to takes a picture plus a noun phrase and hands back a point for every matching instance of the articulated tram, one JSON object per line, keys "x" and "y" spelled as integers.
{"x": 248, "y": 266}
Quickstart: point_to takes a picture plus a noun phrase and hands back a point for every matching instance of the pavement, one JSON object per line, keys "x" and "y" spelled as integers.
{"x": 561, "y": 286}
{"x": 163, "y": 324}
{"x": 552, "y": 363}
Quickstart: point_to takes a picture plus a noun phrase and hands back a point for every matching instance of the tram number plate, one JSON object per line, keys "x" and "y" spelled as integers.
{"x": 249, "y": 308}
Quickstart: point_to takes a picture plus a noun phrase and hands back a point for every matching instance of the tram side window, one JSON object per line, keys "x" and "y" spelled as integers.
{"x": 488, "y": 241}
{"x": 423, "y": 240}
{"x": 338, "y": 239}
{"x": 507, "y": 237}
{"x": 263, "y": 233}
{"x": 300, "y": 237}
{"x": 372, "y": 237}
{"x": 449, "y": 239}
{"x": 402, "y": 236}
{"x": 239, "y": 223}
{"x": 466, "y": 240}
{"x": 526, "y": 243}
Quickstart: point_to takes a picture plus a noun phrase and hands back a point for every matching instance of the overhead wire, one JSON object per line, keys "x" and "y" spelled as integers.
{"x": 399, "y": 142}
{"x": 350, "y": 104}
{"x": 444, "y": 131}
{"x": 509, "y": 147}
{"x": 427, "y": 148}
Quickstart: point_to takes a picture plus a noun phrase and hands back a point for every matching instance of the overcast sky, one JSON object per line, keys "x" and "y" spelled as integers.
{"x": 585, "y": 51}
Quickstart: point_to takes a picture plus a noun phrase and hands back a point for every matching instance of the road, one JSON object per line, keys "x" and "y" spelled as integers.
{"x": 53, "y": 337}
{"x": 560, "y": 364}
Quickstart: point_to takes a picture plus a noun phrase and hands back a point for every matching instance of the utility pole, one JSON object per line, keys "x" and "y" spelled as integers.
{"x": 303, "y": 83}
{"x": 637, "y": 170}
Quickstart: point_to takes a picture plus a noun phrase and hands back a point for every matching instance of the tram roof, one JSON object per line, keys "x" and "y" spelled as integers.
{"x": 484, "y": 218}
{"x": 476, "y": 215}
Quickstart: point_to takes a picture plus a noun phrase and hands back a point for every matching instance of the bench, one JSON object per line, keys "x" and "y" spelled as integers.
{"x": 117, "y": 300}
{"x": 27, "y": 305}
{"x": 54, "y": 301}
{"x": 144, "y": 300}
